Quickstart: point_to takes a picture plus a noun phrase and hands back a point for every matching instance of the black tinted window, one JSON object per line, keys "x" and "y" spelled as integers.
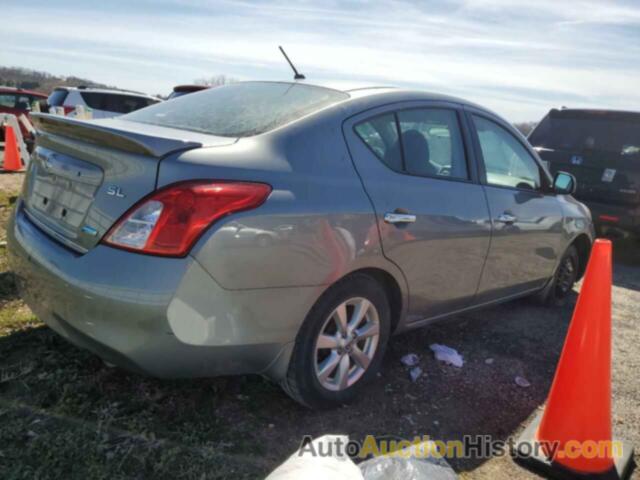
{"x": 578, "y": 131}
{"x": 95, "y": 100}
{"x": 126, "y": 103}
{"x": 57, "y": 98}
{"x": 432, "y": 143}
{"x": 381, "y": 136}
{"x": 113, "y": 102}
{"x": 240, "y": 109}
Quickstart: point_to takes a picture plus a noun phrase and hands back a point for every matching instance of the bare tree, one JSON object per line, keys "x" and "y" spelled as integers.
{"x": 215, "y": 81}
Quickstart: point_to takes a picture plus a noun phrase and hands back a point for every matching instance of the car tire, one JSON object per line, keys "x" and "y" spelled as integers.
{"x": 318, "y": 376}
{"x": 557, "y": 292}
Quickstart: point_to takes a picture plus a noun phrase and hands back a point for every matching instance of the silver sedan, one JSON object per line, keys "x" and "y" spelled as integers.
{"x": 285, "y": 229}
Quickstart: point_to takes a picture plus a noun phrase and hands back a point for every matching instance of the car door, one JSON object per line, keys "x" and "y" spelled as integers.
{"x": 525, "y": 214}
{"x": 432, "y": 214}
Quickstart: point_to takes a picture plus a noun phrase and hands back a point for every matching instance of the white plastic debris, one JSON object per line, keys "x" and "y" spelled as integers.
{"x": 415, "y": 373}
{"x": 410, "y": 360}
{"x": 489, "y": 361}
{"x": 412, "y": 465}
{"x": 522, "y": 382}
{"x": 307, "y": 464}
{"x": 447, "y": 355}
{"x": 409, "y": 419}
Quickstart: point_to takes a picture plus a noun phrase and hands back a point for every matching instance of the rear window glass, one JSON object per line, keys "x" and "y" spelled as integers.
{"x": 57, "y": 97}
{"x": 240, "y": 109}
{"x": 7, "y": 100}
{"x": 583, "y": 131}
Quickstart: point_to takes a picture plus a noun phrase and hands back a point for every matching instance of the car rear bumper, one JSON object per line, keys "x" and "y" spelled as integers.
{"x": 165, "y": 317}
{"x": 615, "y": 217}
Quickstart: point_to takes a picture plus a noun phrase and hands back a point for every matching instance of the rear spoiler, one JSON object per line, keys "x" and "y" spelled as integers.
{"x": 109, "y": 135}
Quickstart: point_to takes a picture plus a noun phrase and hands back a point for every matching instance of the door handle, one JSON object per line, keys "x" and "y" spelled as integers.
{"x": 396, "y": 218}
{"x": 506, "y": 218}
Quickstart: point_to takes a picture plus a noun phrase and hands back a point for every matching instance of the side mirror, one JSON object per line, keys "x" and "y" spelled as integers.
{"x": 564, "y": 183}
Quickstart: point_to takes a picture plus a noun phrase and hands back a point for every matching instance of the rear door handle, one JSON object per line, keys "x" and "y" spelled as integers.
{"x": 506, "y": 218}
{"x": 396, "y": 218}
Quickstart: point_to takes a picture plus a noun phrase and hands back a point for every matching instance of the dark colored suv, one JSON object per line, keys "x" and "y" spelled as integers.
{"x": 601, "y": 148}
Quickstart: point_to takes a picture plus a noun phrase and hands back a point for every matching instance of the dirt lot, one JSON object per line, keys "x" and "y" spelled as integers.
{"x": 63, "y": 412}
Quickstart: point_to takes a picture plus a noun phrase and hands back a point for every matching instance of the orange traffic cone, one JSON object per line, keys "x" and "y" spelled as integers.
{"x": 12, "y": 161}
{"x": 572, "y": 438}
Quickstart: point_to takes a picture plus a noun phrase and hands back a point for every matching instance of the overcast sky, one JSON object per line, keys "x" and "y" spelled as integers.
{"x": 519, "y": 60}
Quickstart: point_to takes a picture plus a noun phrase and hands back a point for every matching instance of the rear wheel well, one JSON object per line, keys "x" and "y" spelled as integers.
{"x": 392, "y": 289}
{"x": 583, "y": 246}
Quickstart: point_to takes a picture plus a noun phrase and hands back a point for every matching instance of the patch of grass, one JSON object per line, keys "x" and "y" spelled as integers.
{"x": 35, "y": 444}
{"x": 65, "y": 414}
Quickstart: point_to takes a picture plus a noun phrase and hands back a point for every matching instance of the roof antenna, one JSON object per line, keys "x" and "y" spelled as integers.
{"x": 297, "y": 76}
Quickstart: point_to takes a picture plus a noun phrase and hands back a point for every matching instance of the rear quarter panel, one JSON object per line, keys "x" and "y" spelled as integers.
{"x": 316, "y": 226}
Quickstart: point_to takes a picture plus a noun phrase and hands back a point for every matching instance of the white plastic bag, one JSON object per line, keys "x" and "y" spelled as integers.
{"x": 303, "y": 465}
{"x": 408, "y": 467}
{"x": 447, "y": 355}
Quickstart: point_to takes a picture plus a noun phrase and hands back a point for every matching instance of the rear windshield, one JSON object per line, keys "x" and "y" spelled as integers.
{"x": 57, "y": 97}
{"x": 588, "y": 130}
{"x": 241, "y": 109}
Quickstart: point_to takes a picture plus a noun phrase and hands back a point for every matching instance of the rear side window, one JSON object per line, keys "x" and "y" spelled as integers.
{"x": 428, "y": 144}
{"x": 507, "y": 163}
{"x": 126, "y": 103}
{"x": 57, "y": 98}
{"x": 113, "y": 102}
{"x": 381, "y": 136}
{"x": 240, "y": 109}
{"x": 95, "y": 100}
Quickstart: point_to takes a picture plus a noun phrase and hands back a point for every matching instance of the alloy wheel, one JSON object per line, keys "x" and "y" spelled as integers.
{"x": 347, "y": 343}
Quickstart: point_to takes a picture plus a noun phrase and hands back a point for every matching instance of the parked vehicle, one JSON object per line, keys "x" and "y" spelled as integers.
{"x": 17, "y": 101}
{"x": 602, "y": 149}
{"x": 180, "y": 90}
{"x": 388, "y": 210}
{"x": 103, "y": 103}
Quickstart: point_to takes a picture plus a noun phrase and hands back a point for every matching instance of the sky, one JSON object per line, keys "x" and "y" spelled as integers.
{"x": 517, "y": 57}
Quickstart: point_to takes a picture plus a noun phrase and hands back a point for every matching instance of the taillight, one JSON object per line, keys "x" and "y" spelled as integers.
{"x": 169, "y": 221}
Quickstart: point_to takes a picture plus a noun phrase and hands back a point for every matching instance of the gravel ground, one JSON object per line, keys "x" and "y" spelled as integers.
{"x": 56, "y": 414}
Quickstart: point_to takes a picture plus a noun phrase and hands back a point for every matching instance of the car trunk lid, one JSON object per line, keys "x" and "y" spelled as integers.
{"x": 85, "y": 175}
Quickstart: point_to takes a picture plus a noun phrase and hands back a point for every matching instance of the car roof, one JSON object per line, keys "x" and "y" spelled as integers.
{"x": 4, "y": 89}
{"x": 112, "y": 91}
{"x": 594, "y": 113}
{"x": 391, "y": 92}
{"x": 379, "y": 95}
